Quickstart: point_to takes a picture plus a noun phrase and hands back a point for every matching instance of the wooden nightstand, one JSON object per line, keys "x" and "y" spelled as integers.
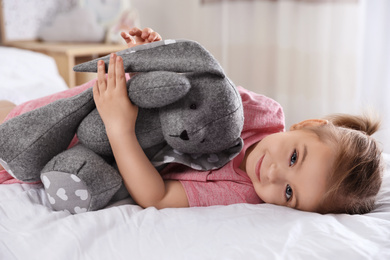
{"x": 67, "y": 55}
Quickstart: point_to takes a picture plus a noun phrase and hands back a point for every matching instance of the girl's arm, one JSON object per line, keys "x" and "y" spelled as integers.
{"x": 5, "y": 108}
{"x": 119, "y": 115}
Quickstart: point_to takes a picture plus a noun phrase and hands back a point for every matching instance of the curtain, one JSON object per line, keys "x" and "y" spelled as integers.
{"x": 374, "y": 69}
{"x": 301, "y": 54}
{"x": 314, "y": 57}
{"x": 312, "y": 1}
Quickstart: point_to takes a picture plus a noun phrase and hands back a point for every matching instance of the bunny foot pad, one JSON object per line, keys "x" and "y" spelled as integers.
{"x": 66, "y": 191}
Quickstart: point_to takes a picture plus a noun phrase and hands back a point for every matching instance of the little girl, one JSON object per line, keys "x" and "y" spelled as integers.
{"x": 324, "y": 165}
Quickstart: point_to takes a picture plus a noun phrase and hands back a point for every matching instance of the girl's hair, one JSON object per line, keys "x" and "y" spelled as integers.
{"x": 358, "y": 165}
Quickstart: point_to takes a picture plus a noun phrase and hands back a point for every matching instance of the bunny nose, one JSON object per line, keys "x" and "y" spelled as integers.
{"x": 184, "y": 135}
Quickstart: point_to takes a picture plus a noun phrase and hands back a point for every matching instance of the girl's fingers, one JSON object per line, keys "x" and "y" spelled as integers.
{"x": 127, "y": 38}
{"x": 111, "y": 71}
{"x": 146, "y": 33}
{"x": 120, "y": 72}
{"x": 135, "y": 32}
{"x": 158, "y": 37}
{"x": 101, "y": 81}
{"x": 95, "y": 91}
{"x": 154, "y": 37}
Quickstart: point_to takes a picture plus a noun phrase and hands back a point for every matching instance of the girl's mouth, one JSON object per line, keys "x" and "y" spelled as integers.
{"x": 258, "y": 167}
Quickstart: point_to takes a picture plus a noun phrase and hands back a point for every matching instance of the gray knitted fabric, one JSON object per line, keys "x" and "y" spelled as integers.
{"x": 30, "y": 140}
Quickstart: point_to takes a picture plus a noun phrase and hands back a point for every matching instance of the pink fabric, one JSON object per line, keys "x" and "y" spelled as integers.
{"x": 40, "y": 102}
{"x": 229, "y": 184}
{"x": 5, "y": 178}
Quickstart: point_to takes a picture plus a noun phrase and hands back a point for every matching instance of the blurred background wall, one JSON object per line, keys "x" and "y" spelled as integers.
{"x": 315, "y": 57}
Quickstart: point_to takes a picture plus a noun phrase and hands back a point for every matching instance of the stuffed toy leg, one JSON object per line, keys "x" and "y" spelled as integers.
{"x": 29, "y": 141}
{"x": 79, "y": 180}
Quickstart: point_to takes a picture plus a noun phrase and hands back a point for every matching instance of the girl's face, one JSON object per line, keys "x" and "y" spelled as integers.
{"x": 290, "y": 169}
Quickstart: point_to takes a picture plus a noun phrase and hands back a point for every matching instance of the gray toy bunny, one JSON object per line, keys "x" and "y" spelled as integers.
{"x": 189, "y": 112}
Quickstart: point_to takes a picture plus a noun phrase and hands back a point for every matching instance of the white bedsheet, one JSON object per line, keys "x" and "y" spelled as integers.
{"x": 29, "y": 229}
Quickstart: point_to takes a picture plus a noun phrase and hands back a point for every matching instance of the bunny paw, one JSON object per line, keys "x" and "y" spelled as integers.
{"x": 66, "y": 191}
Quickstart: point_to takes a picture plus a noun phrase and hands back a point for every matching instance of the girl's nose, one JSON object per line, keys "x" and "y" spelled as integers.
{"x": 275, "y": 174}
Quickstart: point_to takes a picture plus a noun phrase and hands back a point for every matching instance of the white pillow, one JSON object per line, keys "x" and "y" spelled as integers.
{"x": 27, "y": 75}
{"x": 383, "y": 198}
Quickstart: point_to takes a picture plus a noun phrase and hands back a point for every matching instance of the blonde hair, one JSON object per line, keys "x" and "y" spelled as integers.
{"x": 358, "y": 165}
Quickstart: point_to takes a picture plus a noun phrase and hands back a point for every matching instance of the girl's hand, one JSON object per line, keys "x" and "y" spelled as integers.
{"x": 111, "y": 98}
{"x": 142, "y": 180}
{"x": 137, "y": 36}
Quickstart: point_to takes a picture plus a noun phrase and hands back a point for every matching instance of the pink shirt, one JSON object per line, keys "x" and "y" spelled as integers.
{"x": 229, "y": 184}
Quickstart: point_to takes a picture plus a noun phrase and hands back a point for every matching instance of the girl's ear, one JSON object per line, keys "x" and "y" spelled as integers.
{"x": 309, "y": 123}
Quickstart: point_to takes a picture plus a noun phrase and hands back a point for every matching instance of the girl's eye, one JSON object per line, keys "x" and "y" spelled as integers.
{"x": 193, "y": 106}
{"x": 289, "y": 192}
{"x": 293, "y": 158}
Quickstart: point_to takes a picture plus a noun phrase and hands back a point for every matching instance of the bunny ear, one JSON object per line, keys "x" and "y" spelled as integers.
{"x": 169, "y": 55}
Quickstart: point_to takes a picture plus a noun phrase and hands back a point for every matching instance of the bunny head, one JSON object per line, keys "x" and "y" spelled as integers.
{"x": 207, "y": 120}
{"x": 199, "y": 108}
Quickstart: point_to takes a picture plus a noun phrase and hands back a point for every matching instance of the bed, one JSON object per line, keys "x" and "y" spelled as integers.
{"x": 29, "y": 229}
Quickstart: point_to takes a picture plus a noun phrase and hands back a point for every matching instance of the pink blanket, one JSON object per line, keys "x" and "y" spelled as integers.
{"x": 5, "y": 178}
